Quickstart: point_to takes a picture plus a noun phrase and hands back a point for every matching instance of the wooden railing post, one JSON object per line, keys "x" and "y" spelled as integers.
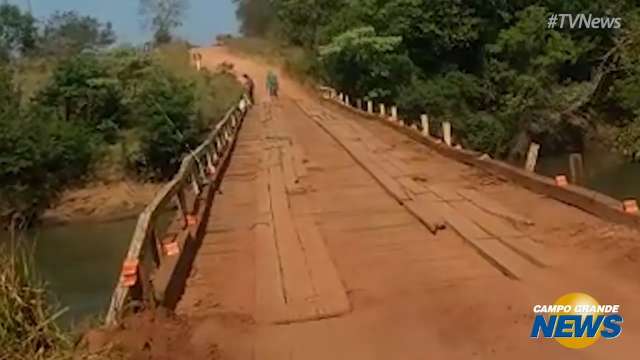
{"x": 424, "y": 119}
{"x": 532, "y": 157}
{"x": 446, "y": 132}
{"x": 394, "y": 113}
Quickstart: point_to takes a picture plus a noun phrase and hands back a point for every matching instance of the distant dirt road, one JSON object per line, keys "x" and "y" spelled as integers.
{"x": 317, "y": 249}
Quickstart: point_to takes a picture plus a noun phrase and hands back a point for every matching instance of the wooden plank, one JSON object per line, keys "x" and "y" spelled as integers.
{"x": 297, "y": 283}
{"x": 488, "y": 222}
{"x": 527, "y": 248}
{"x": 428, "y": 215}
{"x": 445, "y": 192}
{"x": 494, "y": 250}
{"x": 290, "y": 178}
{"x": 299, "y": 160}
{"x": 461, "y": 224}
{"x": 332, "y": 297}
{"x": 504, "y": 258}
{"x": 269, "y": 286}
{"x": 413, "y": 186}
{"x": 493, "y": 207}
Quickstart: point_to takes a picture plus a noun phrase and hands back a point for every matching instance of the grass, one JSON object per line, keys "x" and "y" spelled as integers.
{"x": 28, "y": 328}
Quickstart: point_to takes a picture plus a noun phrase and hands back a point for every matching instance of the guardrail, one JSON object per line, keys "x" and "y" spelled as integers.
{"x": 625, "y": 212}
{"x": 158, "y": 261}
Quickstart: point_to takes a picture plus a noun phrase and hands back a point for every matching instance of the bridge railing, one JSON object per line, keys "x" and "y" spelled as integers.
{"x": 158, "y": 254}
{"x": 441, "y": 136}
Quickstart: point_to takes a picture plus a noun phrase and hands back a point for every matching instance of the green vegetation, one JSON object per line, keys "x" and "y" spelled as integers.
{"x": 28, "y": 327}
{"x": 74, "y": 110}
{"x": 491, "y": 67}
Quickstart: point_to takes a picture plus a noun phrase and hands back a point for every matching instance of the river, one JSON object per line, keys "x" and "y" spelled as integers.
{"x": 81, "y": 263}
{"x": 604, "y": 171}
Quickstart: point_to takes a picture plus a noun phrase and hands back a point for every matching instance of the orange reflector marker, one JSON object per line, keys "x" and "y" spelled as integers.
{"x": 630, "y": 206}
{"x": 561, "y": 180}
{"x": 129, "y": 275}
{"x": 192, "y": 220}
{"x": 171, "y": 249}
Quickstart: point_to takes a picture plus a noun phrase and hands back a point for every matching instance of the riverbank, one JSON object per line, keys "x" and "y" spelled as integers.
{"x": 100, "y": 203}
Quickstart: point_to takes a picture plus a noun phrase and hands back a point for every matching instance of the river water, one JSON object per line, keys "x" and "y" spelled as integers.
{"x": 81, "y": 263}
{"x": 604, "y": 171}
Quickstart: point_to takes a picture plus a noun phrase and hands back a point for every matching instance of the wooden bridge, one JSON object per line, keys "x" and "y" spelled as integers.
{"x": 314, "y": 226}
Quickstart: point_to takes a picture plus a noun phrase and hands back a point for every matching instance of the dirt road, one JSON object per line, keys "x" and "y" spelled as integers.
{"x": 318, "y": 248}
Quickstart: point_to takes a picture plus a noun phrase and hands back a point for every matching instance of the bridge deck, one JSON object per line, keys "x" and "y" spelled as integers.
{"x": 318, "y": 248}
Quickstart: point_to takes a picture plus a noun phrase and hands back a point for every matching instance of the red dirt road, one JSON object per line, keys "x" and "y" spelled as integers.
{"x": 317, "y": 249}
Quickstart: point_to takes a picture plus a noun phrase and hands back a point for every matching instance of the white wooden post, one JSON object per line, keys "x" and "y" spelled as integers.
{"x": 370, "y": 107}
{"x": 446, "y": 132}
{"x": 359, "y": 104}
{"x": 382, "y": 112}
{"x": 424, "y": 119}
{"x": 341, "y": 97}
{"x": 394, "y": 113}
{"x": 346, "y": 100}
{"x": 532, "y": 157}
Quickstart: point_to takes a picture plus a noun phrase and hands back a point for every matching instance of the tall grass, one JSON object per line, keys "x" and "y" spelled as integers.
{"x": 28, "y": 329}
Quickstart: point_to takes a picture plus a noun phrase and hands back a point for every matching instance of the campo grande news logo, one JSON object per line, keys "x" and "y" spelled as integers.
{"x": 576, "y": 321}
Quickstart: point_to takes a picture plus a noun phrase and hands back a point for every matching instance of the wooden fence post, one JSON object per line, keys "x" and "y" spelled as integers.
{"x": 394, "y": 113}
{"x": 532, "y": 157}
{"x": 424, "y": 119}
{"x": 446, "y": 132}
{"x": 370, "y": 107}
{"x": 382, "y": 110}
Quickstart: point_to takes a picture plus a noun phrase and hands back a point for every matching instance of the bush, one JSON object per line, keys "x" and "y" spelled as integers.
{"x": 28, "y": 327}
{"x": 40, "y": 155}
{"x": 82, "y": 90}
{"x": 170, "y": 127}
{"x": 449, "y": 97}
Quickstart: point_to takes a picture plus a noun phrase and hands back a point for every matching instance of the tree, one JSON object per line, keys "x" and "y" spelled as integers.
{"x": 163, "y": 17}
{"x": 68, "y": 33}
{"x": 82, "y": 90}
{"x": 362, "y": 63}
{"x": 18, "y": 31}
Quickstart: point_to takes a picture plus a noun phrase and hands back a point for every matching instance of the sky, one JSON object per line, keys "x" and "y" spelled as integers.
{"x": 204, "y": 20}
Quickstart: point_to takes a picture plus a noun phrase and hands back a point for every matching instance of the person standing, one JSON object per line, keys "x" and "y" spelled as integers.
{"x": 272, "y": 84}
{"x": 249, "y": 87}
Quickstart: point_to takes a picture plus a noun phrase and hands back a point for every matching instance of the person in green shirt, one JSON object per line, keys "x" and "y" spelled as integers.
{"x": 272, "y": 84}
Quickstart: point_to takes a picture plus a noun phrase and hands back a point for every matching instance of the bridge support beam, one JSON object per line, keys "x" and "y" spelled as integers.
{"x": 576, "y": 168}
{"x": 446, "y": 132}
